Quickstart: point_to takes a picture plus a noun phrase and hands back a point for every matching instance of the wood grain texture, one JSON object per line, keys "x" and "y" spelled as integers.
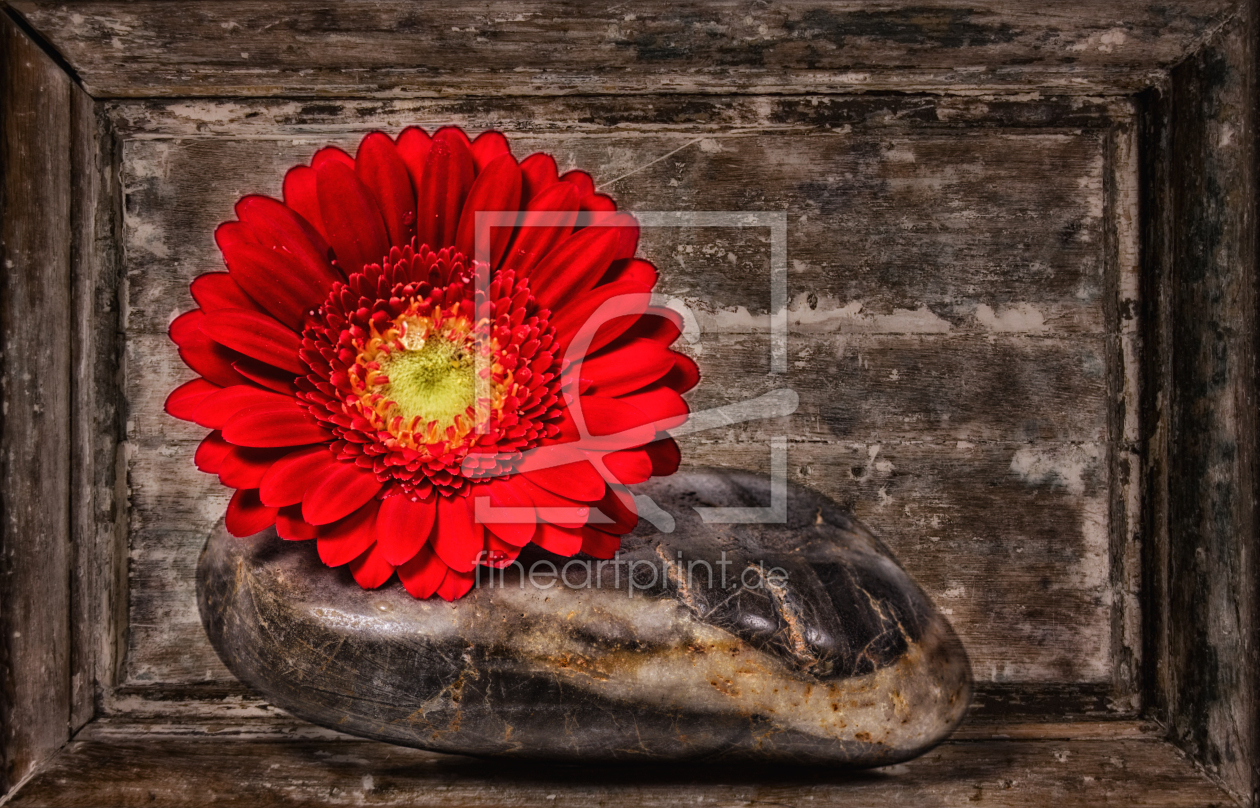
{"x": 1126, "y": 382}
{"x": 903, "y": 219}
{"x": 508, "y": 47}
{"x": 234, "y": 769}
{"x": 259, "y": 119}
{"x": 98, "y": 582}
{"x": 1211, "y": 414}
{"x": 276, "y": 725}
{"x": 958, "y": 331}
{"x": 36, "y": 332}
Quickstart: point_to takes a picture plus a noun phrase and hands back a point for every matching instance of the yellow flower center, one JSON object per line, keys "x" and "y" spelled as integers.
{"x": 431, "y": 379}
{"x": 417, "y": 378}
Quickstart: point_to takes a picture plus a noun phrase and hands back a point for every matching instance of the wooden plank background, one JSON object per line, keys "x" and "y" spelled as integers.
{"x": 957, "y": 269}
{"x": 529, "y": 47}
{"x": 36, "y": 109}
{"x": 1076, "y": 770}
{"x": 1207, "y": 428}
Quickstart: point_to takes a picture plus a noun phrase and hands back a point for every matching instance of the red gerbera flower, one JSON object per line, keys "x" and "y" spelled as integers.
{"x": 373, "y": 386}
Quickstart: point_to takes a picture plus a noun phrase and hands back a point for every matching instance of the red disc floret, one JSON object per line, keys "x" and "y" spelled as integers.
{"x": 413, "y": 298}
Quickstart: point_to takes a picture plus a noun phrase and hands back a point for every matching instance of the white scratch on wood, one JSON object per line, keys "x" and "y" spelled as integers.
{"x": 706, "y": 145}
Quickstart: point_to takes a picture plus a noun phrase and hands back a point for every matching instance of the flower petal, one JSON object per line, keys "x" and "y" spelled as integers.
{"x": 598, "y": 544}
{"x": 455, "y": 585}
{"x": 352, "y": 221}
{"x": 548, "y": 220}
{"x": 631, "y": 269}
{"x": 371, "y": 570}
{"x": 552, "y": 508}
{"x": 234, "y": 233}
{"x": 578, "y": 481}
{"x": 628, "y": 228}
{"x": 274, "y": 426}
{"x": 581, "y": 181}
{"x": 684, "y": 375}
{"x": 255, "y": 334}
{"x": 186, "y": 328}
{"x": 630, "y": 366}
{"x": 500, "y": 553}
{"x": 217, "y": 290}
{"x": 413, "y": 147}
{"x": 344, "y": 488}
{"x": 605, "y": 414}
{"x": 210, "y": 452}
{"x": 300, "y": 195}
{"x": 658, "y": 324}
{"x": 423, "y": 574}
{"x": 457, "y": 539}
{"x": 264, "y": 375}
{"x": 384, "y": 173}
{"x": 289, "y": 479}
{"x": 218, "y": 408}
{"x": 276, "y": 226}
{"x": 246, "y": 515}
{"x": 665, "y": 455}
{"x": 564, "y": 541}
{"x": 617, "y": 505}
{"x": 244, "y": 467}
{"x": 662, "y": 404}
{"x": 183, "y": 401}
{"x": 629, "y": 466}
{"x": 488, "y": 147}
{"x": 331, "y": 154}
{"x": 403, "y": 526}
{"x": 290, "y": 525}
{"x": 497, "y": 188}
{"x": 609, "y": 416}
{"x": 211, "y": 360}
{"x": 573, "y": 267}
{"x": 454, "y": 133}
{"x": 448, "y": 176}
{"x": 617, "y": 305}
{"x": 342, "y": 542}
{"x": 503, "y": 494}
{"x": 538, "y": 174}
{"x": 277, "y": 282}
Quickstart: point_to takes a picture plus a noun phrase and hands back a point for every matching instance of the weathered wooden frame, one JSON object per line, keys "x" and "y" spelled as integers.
{"x": 1189, "y": 69}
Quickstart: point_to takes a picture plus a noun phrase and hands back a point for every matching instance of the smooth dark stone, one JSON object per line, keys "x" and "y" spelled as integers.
{"x": 827, "y": 652}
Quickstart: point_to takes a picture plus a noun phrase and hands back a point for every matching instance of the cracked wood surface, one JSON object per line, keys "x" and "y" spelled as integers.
{"x": 515, "y": 47}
